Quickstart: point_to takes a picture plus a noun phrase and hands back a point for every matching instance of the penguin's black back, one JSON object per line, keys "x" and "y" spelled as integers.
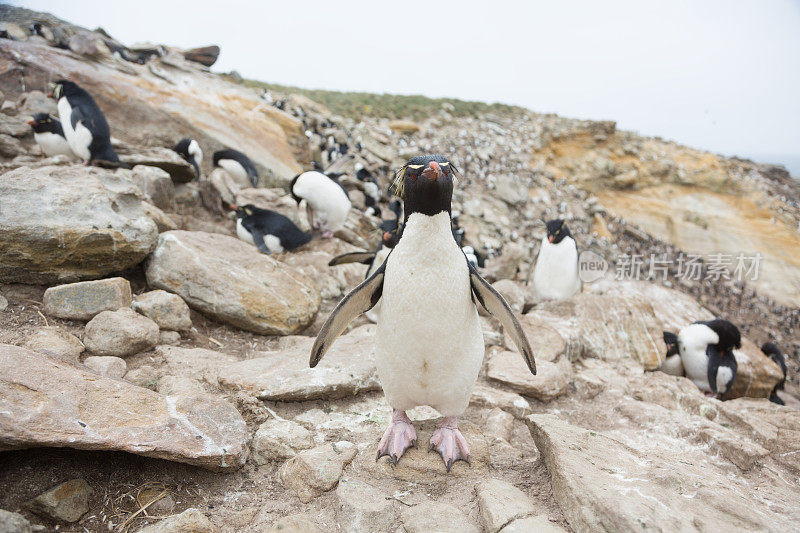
{"x": 272, "y": 223}
{"x": 183, "y": 147}
{"x": 240, "y": 158}
{"x": 86, "y": 110}
{"x": 774, "y": 353}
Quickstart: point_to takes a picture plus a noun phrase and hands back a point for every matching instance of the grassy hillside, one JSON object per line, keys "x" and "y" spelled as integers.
{"x": 357, "y": 105}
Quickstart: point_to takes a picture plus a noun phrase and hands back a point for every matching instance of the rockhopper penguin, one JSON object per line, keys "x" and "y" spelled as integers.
{"x": 327, "y": 203}
{"x": 555, "y": 276}
{"x": 773, "y": 352}
{"x": 706, "y": 350}
{"x": 269, "y": 231}
{"x": 190, "y": 151}
{"x": 49, "y": 135}
{"x": 237, "y": 165}
{"x": 84, "y": 124}
{"x": 672, "y": 364}
{"x": 429, "y": 341}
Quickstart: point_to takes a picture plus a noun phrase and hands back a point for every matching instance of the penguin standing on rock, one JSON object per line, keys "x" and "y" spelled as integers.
{"x": 190, "y": 151}
{"x": 269, "y": 231}
{"x": 429, "y": 340}
{"x": 672, "y": 364}
{"x": 85, "y": 126}
{"x": 49, "y": 135}
{"x": 327, "y": 203}
{"x": 774, "y": 353}
{"x": 555, "y": 276}
{"x": 237, "y": 165}
{"x": 706, "y": 350}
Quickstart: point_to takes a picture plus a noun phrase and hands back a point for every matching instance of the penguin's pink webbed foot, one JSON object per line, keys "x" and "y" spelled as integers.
{"x": 398, "y": 437}
{"x": 327, "y": 234}
{"x": 449, "y": 442}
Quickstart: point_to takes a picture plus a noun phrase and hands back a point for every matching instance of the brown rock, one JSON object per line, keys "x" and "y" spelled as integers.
{"x": 120, "y": 333}
{"x": 189, "y": 521}
{"x": 312, "y": 472}
{"x": 53, "y": 340}
{"x": 362, "y": 507}
{"x": 45, "y": 401}
{"x": 436, "y": 516}
{"x": 111, "y": 367}
{"x": 550, "y": 381}
{"x": 66, "y": 502}
{"x": 156, "y": 185}
{"x": 162, "y": 158}
{"x": 501, "y": 503}
{"x": 230, "y": 281}
{"x": 404, "y": 127}
{"x": 206, "y": 55}
{"x": 88, "y": 44}
{"x": 84, "y": 300}
{"x": 167, "y": 310}
{"x": 278, "y": 440}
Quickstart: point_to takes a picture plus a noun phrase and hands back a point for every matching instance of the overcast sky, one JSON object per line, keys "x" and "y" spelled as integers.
{"x": 723, "y": 75}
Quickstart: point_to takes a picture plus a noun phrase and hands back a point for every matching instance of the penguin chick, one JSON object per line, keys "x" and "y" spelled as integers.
{"x": 429, "y": 341}
{"x": 49, "y": 135}
{"x": 190, "y": 151}
{"x": 555, "y": 276}
{"x": 327, "y": 203}
{"x": 269, "y": 231}
{"x": 237, "y": 165}
{"x": 773, "y": 352}
{"x": 706, "y": 350}
{"x": 85, "y": 126}
{"x": 672, "y": 362}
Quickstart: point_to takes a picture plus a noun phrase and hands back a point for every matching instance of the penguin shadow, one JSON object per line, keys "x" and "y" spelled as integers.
{"x": 417, "y": 463}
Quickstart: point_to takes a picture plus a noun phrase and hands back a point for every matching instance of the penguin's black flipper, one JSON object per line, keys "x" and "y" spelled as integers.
{"x": 353, "y": 257}
{"x": 495, "y": 304}
{"x": 361, "y": 299}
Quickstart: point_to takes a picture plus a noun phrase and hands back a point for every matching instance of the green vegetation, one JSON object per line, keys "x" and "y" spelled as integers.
{"x": 358, "y": 105}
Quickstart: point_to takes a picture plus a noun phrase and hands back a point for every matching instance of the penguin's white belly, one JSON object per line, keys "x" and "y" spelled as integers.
{"x": 52, "y": 144}
{"x": 672, "y": 365}
{"x": 695, "y": 363}
{"x": 724, "y": 376}
{"x": 195, "y": 151}
{"x": 78, "y": 138}
{"x": 273, "y": 243}
{"x": 242, "y": 233}
{"x": 555, "y": 276}
{"x": 372, "y": 190}
{"x": 429, "y": 342}
{"x": 236, "y": 171}
{"x": 327, "y": 200}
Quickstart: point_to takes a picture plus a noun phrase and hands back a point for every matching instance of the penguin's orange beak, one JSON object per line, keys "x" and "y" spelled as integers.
{"x": 550, "y": 238}
{"x": 50, "y": 94}
{"x": 232, "y": 207}
{"x": 31, "y": 122}
{"x": 433, "y": 171}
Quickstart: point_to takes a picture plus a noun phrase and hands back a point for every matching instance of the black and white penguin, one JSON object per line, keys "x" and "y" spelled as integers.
{"x": 190, "y": 151}
{"x": 327, "y": 203}
{"x": 84, "y": 124}
{"x": 390, "y": 225}
{"x": 773, "y": 352}
{"x": 555, "y": 276}
{"x": 706, "y": 350}
{"x": 672, "y": 361}
{"x": 429, "y": 341}
{"x": 237, "y": 165}
{"x": 472, "y": 257}
{"x": 267, "y": 230}
{"x": 372, "y": 191}
{"x": 49, "y": 135}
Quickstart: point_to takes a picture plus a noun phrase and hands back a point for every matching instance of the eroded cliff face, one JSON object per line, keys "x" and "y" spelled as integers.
{"x": 701, "y": 202}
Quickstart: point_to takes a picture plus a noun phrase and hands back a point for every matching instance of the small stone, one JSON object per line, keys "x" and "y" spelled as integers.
{"x": 177, "y": 385}
{"x": 539, "y": 524}
{"x": 510, "y": 402}
{"x": 277, "y": 440}
{"x": 112, "y": 367}
{"x": 499, "y": 424}
{"x": 312, "y": 472}
{"x": 505, "y": 266}
{"x": 294, "y": 523}
{"x": 189, "y": 521}
{"x": 167, "y": 310}
{"x": 500, "y": 503}
{"x": 145, "y": 376}
{"x": 13, "y": 523}
{"x": 513, "y": 293}
{"x": 120, "y": 333}
{"x": 169, "y": 338}
{"x": 87, "y": 43}
{"x": 404, "y": 126}
{"x": 53, "y": 340}
{"x": 362, "y": 507}
{"x": 435, "y": 516}
{"x": 156, "y": 185}
{"x": 84, "y": 300}
{"x": 3, "y": 303}
{"x": 66, "y": 502}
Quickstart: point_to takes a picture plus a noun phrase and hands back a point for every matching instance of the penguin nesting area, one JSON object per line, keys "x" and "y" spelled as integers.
{"x": 154, "y": 358}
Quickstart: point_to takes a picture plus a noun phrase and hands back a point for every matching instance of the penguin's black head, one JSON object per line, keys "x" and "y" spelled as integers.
{"x": 729, "y": 336}
{"x": 43, "y": 122}
{"x": 396, "y": 207}
{"x": 390, "y": 238}
{"x": 425, "y": 184}
{"x": 557, "y": 231}
{"x": 244, "y": 210}
{"x": 64, "y": 88}
{"x": 291, "y": 189}
{"x": 671, "y": 340}
{"x": 771, "y": 349}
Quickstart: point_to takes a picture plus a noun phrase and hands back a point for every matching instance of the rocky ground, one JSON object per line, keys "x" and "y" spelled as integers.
{"x": 153, "y": 368}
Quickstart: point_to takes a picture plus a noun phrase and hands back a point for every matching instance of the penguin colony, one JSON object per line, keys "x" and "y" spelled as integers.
{"x": 422, "y": 287}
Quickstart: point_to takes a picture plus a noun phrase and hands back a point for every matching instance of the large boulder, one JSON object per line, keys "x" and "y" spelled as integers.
{"x": 163, "y": 158}
{"x": 47, "y": 401}
{"x": 70, "y": 223}
{"x": 231, "y": 281}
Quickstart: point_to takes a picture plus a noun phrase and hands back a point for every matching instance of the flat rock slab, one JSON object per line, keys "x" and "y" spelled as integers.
{"x": 178, "y": 169}
{"x": 70, "y": 223}
{"x": 231, "y": 281}
{"x": 85, "y": 299}
{"x": 346, "y": 370}
{"x": 46, "y": 401}
{"x": 550, "y": 381}
{"x": 600, "y": 483}
{"x": 436, "y": 516}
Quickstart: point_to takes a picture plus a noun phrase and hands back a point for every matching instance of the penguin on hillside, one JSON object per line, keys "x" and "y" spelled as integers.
{"x": 327, "y": 203}
{"x": 672, "y": 364}
{"x": 49, "y": 135}
{"x": 85, "y": 126}
{"x": 237, "y": 165}
{"x": 429, "y": 340}
{"x": 390, "y": 225}
{"x": 706, "y": 350}
{"x": 372, "y": 191}
{"x": 267, "y": 230}
{"x": 555, "y": 276}
{"x": 190, "y": 151}
{"x": 773, "y": 352}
